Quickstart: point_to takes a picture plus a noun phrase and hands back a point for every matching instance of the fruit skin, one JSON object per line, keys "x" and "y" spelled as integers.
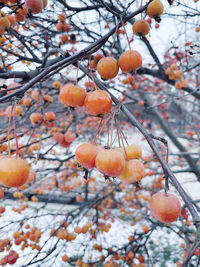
{"x": 86, "y": 155}
{"x": 72, "y": 96}
{"x": 130, "y": 61}
{"x": 4, "y": 23}
{"x": 98, "y": 103}
{"x": 107, "y": 67}
{"x": 58, "y": 137}
{"x": 27, "y": 101}
{"x": 110, "y": 162}
{"x": 133, "y": 151}
{"x": 155, "y": 8}
{"x": 17, "y": 110}
{"x": 133, "y": 171}
{"x": 62, "y": 17}
{"x": 50, "y": 116}
{"x": 36, "y": 118}
{"x": 141, "y": 27}
{"x": 97, "y": 57}
{"x": 11, "y": 19}
{"x": 62, "y": 26}
{"x": 35, "y": 6}
{"x": 165, "y": 208}
{"x": 69, "y": 136}
{"x": 13, "y": 171}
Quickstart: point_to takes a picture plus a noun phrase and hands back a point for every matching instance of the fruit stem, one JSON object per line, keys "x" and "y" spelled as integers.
{"x": 121, "y": 136}
{"x": 9, "y": 154}
{"x": 126, "y": 33}
{"x": 111, "y": 131}
{"x": 117, "y": 127}
{"x": 108, "y": 141}
{"x": 101, "y": 127}
{"x": 114, "y": 38}
{"x": 15, "y": 134}
{"x": 97, "y": 133}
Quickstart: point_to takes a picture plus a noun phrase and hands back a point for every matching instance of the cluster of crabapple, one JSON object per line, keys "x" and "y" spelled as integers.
{"x": 112, "y": 162}
{"x": 129, "y": 61}
{"x": 119, "y": 162}
{"x": 125, "y": 164}
{"x": 174, "y": 73}
{"x": 9, "y": 20}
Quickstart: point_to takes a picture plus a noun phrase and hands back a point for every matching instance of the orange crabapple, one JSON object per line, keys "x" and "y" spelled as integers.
{"x": 133, "y": 171}
{"x": 14, "y": 172}
{"x": 71, "y": 95}
{"x": 141, "y": 27}
{"x": 165, "y": 207}
{"x": 86, "y": 155}
{"x": 98, "y": 103}
{"x": 110, "y": 162}
{"x": 107, "y": 67}
{"x": 155, "y": 8}
{"x": 130, "y": 61}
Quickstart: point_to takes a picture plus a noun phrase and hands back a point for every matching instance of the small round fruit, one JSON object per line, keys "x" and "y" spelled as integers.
{"x": 4, "y": 23}
{"x": 58, "y": 137}
{"x": 62, "y": 17}
{"x": 133, "y": 172}
{"x": 56, "y": 84}
{"x": 17, "y": 110}
{"x": 155, "y": 8}
{"x": 93, "y": 64}
{"x": 141, "y": 27}
{"x": 133, "y": 151}
{"x": 35, "y": 95}
{"x": 107, "y": 67}
{"x": 86, "y": 155}
{"x": 27, "y": 101}
{"x": 65, "y": 258}
{"x": 130, "y": 61}
{"x": 110, "y": 162}
{"x": 36, "y": 118}
{"x": 72, "y": 95}
{"x": 13, "y": 172}
{"x": 69, "y": 136}
{"x": 98, "y": 103}
{"x": 11, "y": 18}
{"x": 165, "y": 207}
{"x": 35, "y": 6}
{"x": 97, "y": 57}
{"x": 50, "y": 116}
